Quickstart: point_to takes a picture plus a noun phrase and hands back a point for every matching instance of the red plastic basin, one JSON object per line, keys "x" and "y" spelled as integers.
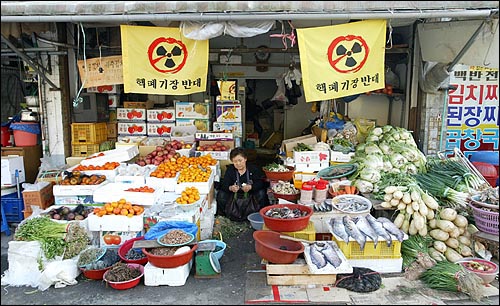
{"x": 286, "y": 225}
{"x": 274, "y": 249}
{"x": 126, "y": 246}
{"x": 170, "y": 261}
{"x": 94, "y": 274}
{"x": 129, "y": 283}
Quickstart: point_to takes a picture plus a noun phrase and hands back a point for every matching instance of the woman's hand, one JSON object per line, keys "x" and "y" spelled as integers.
{"x": 246, "y": 187}
{"x": 234, "y": 188}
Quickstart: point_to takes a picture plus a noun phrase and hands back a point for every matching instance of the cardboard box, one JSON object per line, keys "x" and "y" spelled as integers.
{"x": 160, "y": 129}
{"x": 131, "y": 114}
{"x": 109, "y": 89}
{"x": 112, "y": 129}
{"x": 214, "y": 136}
{"x": 340, "y": 157}
{"x": 228, "y": 113}
{"x": 43, "y": 198}
{"x": 227, "y": 143}
{"x": 11, "y": 165}
{"x": 161, "y": 115}
{"x": 202, "y": 125}
{"x": 132, "y": 128}
{"x": 192, "y": 110}
{"x": 134, "y": 104}
{"x": 288, "y": 144}
{"x": 113, "y": 100}
{"x": 236, "y": 128}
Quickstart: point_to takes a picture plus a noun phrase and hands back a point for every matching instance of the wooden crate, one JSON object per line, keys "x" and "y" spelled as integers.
{"x": 296, "y": 273}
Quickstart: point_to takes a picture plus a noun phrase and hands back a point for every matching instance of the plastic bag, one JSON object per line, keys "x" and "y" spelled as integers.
{"x": 360, "y": 280}
{"x": 164, "y": 227}
{"x": 202, "y": 31}
{"x": 23, "y": 264}
{"x": 279, "y": 95}
{"x": 363, "y": 126}
{"x": 59, "y": 273}
{"x": 248, "y": 28}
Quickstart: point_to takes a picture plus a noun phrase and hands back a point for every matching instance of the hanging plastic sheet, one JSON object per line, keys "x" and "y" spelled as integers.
{"x": 207, "y": 30}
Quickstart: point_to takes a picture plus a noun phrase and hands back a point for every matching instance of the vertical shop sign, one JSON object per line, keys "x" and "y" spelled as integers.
{"x": 158, "y": 60}
{"x": 472, "y": 119}
{"x": 101, "y": 71}
{"x": 342, "y": 60}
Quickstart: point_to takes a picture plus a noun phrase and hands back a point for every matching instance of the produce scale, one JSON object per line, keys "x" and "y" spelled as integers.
{"x": 206, "y": 262}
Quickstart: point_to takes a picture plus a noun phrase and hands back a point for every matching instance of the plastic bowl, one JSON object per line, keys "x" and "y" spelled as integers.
{"x": 218, "y": 243}
{"x": 129, "y": 283}
{"x": 94, "y": 274}
{"x": 126, "y": 246}
{"x": 256, "y": 220}
{"x": 287, "y": 225}
{"x": 280, "y": 176}
{"x": 274, "y": 249}
{"x": 288, "y": 197}
{"x": 170, "y": 261}
{"x": 486, "y": 276}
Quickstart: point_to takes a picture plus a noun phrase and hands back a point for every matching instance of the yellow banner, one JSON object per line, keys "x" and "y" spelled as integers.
{"x": 162, "y": 61}
{"x": 342, "y": 60}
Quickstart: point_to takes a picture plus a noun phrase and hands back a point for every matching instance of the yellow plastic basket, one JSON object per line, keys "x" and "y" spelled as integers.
{"x": 89, "y": 133}
{"x": 309, "y": 233}
{"x": 352, "y": 249}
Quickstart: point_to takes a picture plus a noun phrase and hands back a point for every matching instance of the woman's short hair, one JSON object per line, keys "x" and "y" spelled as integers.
{"x": 237, "y": 151}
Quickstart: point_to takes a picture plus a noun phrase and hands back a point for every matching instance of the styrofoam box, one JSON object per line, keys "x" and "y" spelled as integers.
{"x": 74, "y": 200}
{"x": 214, "y": 136}
{"x": 340, "y": 157}
{"x": 73, "y": 190}
{"x": 312, "y": 167}
{"x": 177, "y": 276}
{"x": 115, "y": 223}
{"x": 389, "y": 265}
{"x": 167, "y": 183}
{"x": 110, "y": 174}
{"x": 82, "y": 223}
{"x": 120, "y": 154}
{"x": 115, "y": 191}
{"x": 203, "y": 187}
{"x": 219, "y": 155}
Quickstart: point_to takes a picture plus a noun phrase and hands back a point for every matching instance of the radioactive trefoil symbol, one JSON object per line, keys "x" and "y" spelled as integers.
{"x": 348, "y": 53}
{"x": 167, "y": 54}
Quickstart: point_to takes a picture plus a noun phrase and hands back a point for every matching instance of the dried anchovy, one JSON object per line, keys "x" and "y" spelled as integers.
{"x": 121, "y": 272}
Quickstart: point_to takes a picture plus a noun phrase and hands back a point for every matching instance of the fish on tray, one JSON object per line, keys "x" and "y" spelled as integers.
{"x": 353, "y": 231}
{"x": 331, "y": 255}
{"x": 392, "y": 228}
{"x": 339, "y": 229}
{"x": 379, "y": 229}
{"x": 364, "y": 226}
{"x": 317, "y": 257}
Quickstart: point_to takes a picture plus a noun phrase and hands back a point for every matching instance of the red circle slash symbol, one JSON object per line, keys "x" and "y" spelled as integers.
{"x": 348, "y": 53}
{"x": 167, "y": 55}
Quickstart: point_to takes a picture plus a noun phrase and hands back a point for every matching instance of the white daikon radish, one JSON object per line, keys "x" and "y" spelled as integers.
{"x": 430, "y": 201}
{"x": 406, "y": 224}
{"x": 412, "y": 229}
{"x": 455, "y": 232}
{"x": 436, "y": 255}
{"x": 439, "y": 245}
{"x": 423, "y": 231}
{"x": 398, "y": 221}
{"x": 460, "y": 221}
{"x": 418, "y": 220}
{"x": 401, "y": 206}
{"x": 415, "y": 195}
{"x": 448, "y": 214}
{"x": 388, "y": 197}
{"x": 415, "y": 205}
{"x": 452, "y": 255}
{"x": 409, "y": 209}
{"x": 464, "y": 240}
{"x": 465, "y": 250}
{"x": 445, "y": 225}
{"x": 406, "y": 198}
{"x": 430, "y": 214}
{"x": 439, "y": 234}
{"x": 386, "y": 205}
{"x": 394, "y": 202}
{"x": 398, "y": 194}
{"x": 390, "y": 189}
{"x": 423, "y": 209}
{"x": 461, "y": 230}
{"x": 432, "y": 223}
{"x": 452, "y": 242}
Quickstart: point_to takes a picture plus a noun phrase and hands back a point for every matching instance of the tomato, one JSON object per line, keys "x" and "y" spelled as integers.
{"x": 116, "y": 239}
{"x": 108, "y": 239}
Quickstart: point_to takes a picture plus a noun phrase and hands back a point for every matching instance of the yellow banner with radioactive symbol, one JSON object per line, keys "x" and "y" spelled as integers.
{"x": 158, "y": 60}
{"x": 342, "y": 60}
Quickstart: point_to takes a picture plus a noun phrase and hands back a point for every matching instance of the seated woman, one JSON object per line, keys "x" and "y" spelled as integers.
{"x": 240, "y": 178}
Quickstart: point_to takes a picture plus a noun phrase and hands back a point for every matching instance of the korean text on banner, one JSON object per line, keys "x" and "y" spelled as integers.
{"x": 101, "y": 71}
{"x": 342, "y": 60}
{"x": 158, "y": 60}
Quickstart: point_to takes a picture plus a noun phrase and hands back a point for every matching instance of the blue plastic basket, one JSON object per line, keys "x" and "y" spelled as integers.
{"x": 13, "y": 207}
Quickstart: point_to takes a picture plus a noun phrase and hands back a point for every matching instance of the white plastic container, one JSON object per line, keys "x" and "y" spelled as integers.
{"x": 177, "y": 276}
